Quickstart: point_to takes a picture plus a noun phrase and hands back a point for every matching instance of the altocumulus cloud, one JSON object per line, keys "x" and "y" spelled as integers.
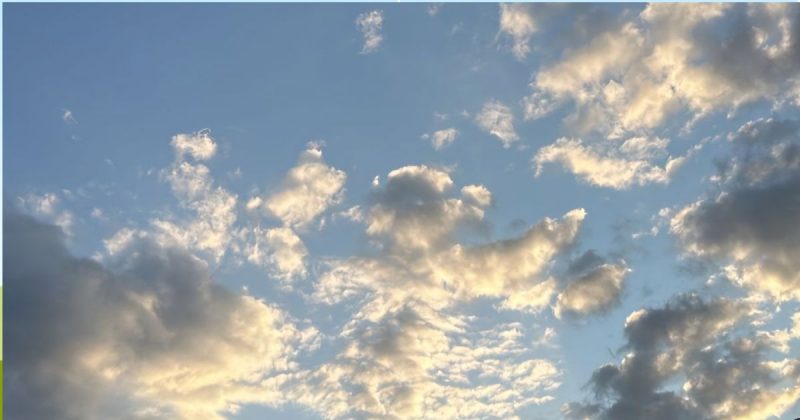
{"x": 411, "y": 352}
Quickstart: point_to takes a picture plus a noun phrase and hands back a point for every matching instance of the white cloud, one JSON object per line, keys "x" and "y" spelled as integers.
{"x": 407, "y": 328}
{"x": 307, "y": 191}
{"x": 516, "y": 21}
{"x": 498, "y": 120}
{"x": 477, "y": 194}
{"x": 370, "y": 24}
{"x": 47, "y": 207}
{"x": 68, "y": 117}
{"x": 632, "y": 77}
{"x": 612, "y": 164}
{"x": 199, "y": 145}
{"x": 441, "y": 138}
{"x": 281, "y": 250}
{"x": 40, "y": 205}
{"x": 213, "y": 207}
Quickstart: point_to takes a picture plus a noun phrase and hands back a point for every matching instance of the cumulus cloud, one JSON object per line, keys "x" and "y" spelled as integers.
{"x": 213, "y": 208}
{"x": 613, "y": 164}
{"x": 280, "y": 249}
{"x": 410, "y": 352}
{"x": 441, "y": 138}
{"x": 150, "y": 335}
{"x": 671, "y": 58}
{"x": 594, "y": 285}
{"x": 725, "y": 376}
{"x": 308, "y": 189}
{"x": 370, "y": 24}
{"x": 516, "y": 21}
{"x": 497, "y": 119}
{"x": 752, "y": 227}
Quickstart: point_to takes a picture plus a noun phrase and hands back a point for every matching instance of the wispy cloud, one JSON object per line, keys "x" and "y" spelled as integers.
{"x": 370, "y": 24}
{"x": 68, "y": 117}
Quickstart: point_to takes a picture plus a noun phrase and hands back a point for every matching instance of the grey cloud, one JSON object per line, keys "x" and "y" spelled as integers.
{"x": 593, "y": 285}
{"x": 154, "y": 337}
{"x": 726, "y": 376}
{"x": 754, "y": 222}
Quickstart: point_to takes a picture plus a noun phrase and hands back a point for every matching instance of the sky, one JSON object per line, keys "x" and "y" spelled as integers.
{"x": 577, "y": 211}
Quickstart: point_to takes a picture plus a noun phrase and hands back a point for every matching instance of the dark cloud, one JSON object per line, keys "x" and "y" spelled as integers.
{"x": 593, "y": 285}
{"x": 154, "y": 337}
{"x": 726, "y": 376}
{"x": 755, "y": 220}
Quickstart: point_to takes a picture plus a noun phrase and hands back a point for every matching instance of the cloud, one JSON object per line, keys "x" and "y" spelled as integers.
{"x": 308, "y": 189}
{"x": 497, "y": 120}
{"x": 370, "y": 25}
{"x": 594, "y": 286}
{"x": 412, "y": 363}
{"x": 280, "y": 249}
{"x": 433, "y": 9}
{"x": 200, "y": 146}
{"x": 409, "y": 350}
{"x": 441, "y": 138}
{"x": 516, "y": 21}
{"x": 725, "y": 376}
{"x": 68, "y": 117}
{"x": 150, "y": 335}
{"x": 47, "y": 206}
{"x": 613, "y": 164}
{"x": 752, "y": 226}
{"x": 672, "y": 58}
{"x": 213, "y": 207}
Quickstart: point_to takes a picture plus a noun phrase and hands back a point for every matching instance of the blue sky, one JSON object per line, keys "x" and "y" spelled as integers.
{"x": 244, "y": 141}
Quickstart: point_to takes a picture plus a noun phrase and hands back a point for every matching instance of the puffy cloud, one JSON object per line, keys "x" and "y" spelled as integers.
{"x": 441, "y": 138}
{"x": 595, "y": 285}
{"x": 310, "y": 188}
{"x": 153, "y": 336}
{"x": 725, "y": 376}
{"x": 700, "y": 58}
{"x": 612, "y": 164}
{"x": 370, "y": 25}
{"x": 497, "y": 119}
{"x": 200, "y": 146}
{"x": 410, "y": 351}
{"x": 306, "y": 192}
{"x": 752, "y": 227}
{"x": 214, "y": 208}
{"x": 516, "y": 21}
{"x": 47, "y": 206}
{"x": 477, "y": 194}
{"x": 280, "y": 249}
